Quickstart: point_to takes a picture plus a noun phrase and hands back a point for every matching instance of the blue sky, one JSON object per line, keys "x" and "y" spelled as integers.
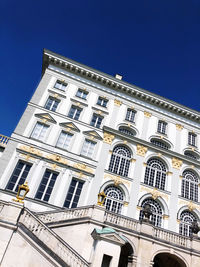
{"x": 153, "y": 44}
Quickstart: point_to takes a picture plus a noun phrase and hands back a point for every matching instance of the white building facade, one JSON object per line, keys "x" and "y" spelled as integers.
{"x": 84, "y": 132}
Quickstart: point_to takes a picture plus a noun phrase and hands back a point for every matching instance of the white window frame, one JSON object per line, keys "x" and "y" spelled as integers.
{"x": 91, "y": 145}
{"x": 61, "y": 84}
{"x": 65, "y": 139}
{"x": 38, "y": 137}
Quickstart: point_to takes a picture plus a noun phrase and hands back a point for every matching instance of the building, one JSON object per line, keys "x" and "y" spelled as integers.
{"x": 84, "y": 133}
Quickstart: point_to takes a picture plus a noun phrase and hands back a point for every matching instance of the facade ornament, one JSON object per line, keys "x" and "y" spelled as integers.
{"x": 169, "y": 173}
{"x": 191, "y": 206}
{"x": 57, "y": 158}
{"x": 147, "y": 114}
{"x": 83, "y": 167}
{"x": 116, "y": 179}
{"x": 141, "y": 150}
{"x": 117, "y": 102}
{"x": 179, "y": 127}
{"x": 126, "y": 204}
{"x": 176, "y": 163}
{"x": 31, "y": 150}
{"x": 165, "y": 217}
{"x": 108, "y": 138}
{"x": 154, "y": 192}
{"x": 125, "y": 142}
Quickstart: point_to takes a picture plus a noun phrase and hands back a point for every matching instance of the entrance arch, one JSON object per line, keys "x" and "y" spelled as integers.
{"x": 126, "y": 256}
{"x": 166, "y": 260}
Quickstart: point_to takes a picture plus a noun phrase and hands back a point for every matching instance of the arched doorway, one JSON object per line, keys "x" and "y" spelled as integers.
{"x": 126, "y": 255}
{"x": 166, "y": 260}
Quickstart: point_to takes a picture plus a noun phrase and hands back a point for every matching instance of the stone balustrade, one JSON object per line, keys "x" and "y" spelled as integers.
{"x": 50, "y": 239}
{"x": 4, "y": 140}
{"x": 172, "y": 237}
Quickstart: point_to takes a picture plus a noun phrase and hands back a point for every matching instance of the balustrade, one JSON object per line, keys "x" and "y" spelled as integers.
{"x": 4, "y": 140}
{"x": 51, "y": 240}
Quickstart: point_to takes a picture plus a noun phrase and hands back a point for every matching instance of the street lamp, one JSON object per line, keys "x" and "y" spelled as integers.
{"x": 101, "y": 198}
{"x": 22, "y": 192}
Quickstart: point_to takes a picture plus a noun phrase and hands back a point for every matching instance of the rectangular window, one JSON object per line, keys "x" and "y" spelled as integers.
{"x": 60, "y": 85}
{"x": 130, "y": 115}
{"x": 106, "y": 260}
{"x": 39, "y": 131}
{"x": 64, "y": 140}
{"x": 82, "y": 93}
{"x": 192, "y": 139}
{"x": 162, "y": 126}
{"x": 73, "y": 194}
{"x": 51, "y": 104}
{"x": 19, "y": 175}
{"x": 75, "y": 112}
{"x": 88, "y": 148}
{"x": 102, "y": 102}
{"x": 46, "y": 185}
{"x": 96, "y": 121}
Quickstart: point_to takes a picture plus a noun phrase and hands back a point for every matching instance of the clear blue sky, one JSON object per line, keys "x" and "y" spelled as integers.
{"x": 154, "y": 44}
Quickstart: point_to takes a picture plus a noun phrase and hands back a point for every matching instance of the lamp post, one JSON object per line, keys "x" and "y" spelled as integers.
{"x": 101, "y": 198}
{"x": 22, "y": 192}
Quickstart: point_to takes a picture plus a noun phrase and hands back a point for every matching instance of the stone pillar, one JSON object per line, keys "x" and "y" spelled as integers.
{"x": 145, "y": 126}
{"x": 179, "y": 128}
{"x": 117, "y": 104}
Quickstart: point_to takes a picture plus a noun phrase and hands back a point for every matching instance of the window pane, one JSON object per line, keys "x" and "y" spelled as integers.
{"x": 73, "y": 194}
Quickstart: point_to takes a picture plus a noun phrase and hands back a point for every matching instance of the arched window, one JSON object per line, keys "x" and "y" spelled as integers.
{"x": 156, "y": 217}
{"x": 191, "y": 155}
{"x": 120, "y": 160}
{"x": 155, "y": 173}
{"x": 126, "y": 131}
{"x": 187, "y": 219}
{"x": 114, "y": 199}
{"x": 189, "y": 188}
{"x": 159, "y": 144}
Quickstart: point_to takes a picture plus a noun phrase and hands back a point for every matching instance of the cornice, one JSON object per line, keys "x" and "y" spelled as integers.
{"x": 118, "y": 85}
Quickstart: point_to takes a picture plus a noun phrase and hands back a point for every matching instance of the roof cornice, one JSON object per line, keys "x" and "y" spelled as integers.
{"x": 116, "y": 84}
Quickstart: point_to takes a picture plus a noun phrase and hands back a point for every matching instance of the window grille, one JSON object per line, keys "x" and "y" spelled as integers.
{"x": 46, "y": 186}
{"x": 155, "y": 173}
{"x": 187, "y": 219}
{"x": 73, "y": 194}
{"x": 120, "y": 160}
{"x": 130, "y": 114}
{"x": 96, "y": 121}
{"x": 88, "y": 148}
{"x": 126, "y": 131}
{"x": 39, "y": 131}
{"x": 162, "y": 126}
{"x": 74, "y": 112}
{"x": 64, "y": 140}
{"x": 159, "y": 144}
{"x": 114, "y": 199}
{"x": 51, "y": 104}
{"x": 192, "y": 139}
{"x": 190, "y": 155}
{"x": 19, "y": 175}
{"x": 60, "y": 85}
{"x": 156, "y": 217}
{"x": 189, "y": 188}
{"x": 82, "y": 94}
{"x": 102, "y": 102}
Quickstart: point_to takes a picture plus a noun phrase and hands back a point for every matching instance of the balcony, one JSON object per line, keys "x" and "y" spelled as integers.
{"x": 3, "y": 140}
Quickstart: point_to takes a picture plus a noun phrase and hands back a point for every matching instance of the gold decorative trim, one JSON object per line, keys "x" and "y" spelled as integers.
{"x": 117, "y": 102}
{"x": 154, "y": 192}
{"x": 180, "y": 176}
{"x": 169, "y": 173}
{"x": 31, "y": 150}
{"x": 176, "y": 163}
{"x": 178, "y": 221}
{"x": 125, "y": 142}
{"x": 126, "y": 204}
{"x": 139, "y": 208}
{"x": 108, "y": 138}
{"x": 166, "y": 217}
{"x": 191, "y": 206}
{"x": 57, "y": 158}
{"x": 147, "y": 114}
{"x": 179, "y": 127}
{"x": 144, "y": 163}
{"x": 141, "y": 150}
{"x": 159, "y": 154}
{"x": 83, "y": 167}
{"x": 117, "y": 179}
{"x": 133, "y": 160}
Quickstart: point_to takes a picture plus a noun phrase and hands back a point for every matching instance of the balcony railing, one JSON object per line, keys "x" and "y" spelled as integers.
{"x": 4, "y": 140}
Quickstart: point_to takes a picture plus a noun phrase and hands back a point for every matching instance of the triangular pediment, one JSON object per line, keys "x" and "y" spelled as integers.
{"x": 92, "y": 134}
{"x": 45, "y": 116}
{"x": 70, "y": 125}
{"x": 108, "y": 234}
{"x": 113, "y": 237}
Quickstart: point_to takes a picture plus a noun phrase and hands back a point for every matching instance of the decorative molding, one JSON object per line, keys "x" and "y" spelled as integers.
{"x": 165, "y": 217}
{"x": 147, "y": 114}
{"x": 141, "y": 150}
{"x": 31, "y": 150}
{"x": 133, "y": 160}
{"x": 125, "y": 142}
{"x": 117, "y": 102}
{"x": 154, "y": 193}
{"x": 159, "y": 154}
{"x": 117, "y": 179}
{"x": 169, "y": 173}
{"x": 126, "y": 204}
{"x": 83, "y": 167}
{"x": 57, "y": 158}
{"x": 191, "y": 206}
{"x": 176, "y": 163}
{"x": 179, "y": 127}
{"x": 108, "y": 138}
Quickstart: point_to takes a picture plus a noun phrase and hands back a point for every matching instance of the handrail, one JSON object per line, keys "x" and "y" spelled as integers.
{"x": 52, "y": 240}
